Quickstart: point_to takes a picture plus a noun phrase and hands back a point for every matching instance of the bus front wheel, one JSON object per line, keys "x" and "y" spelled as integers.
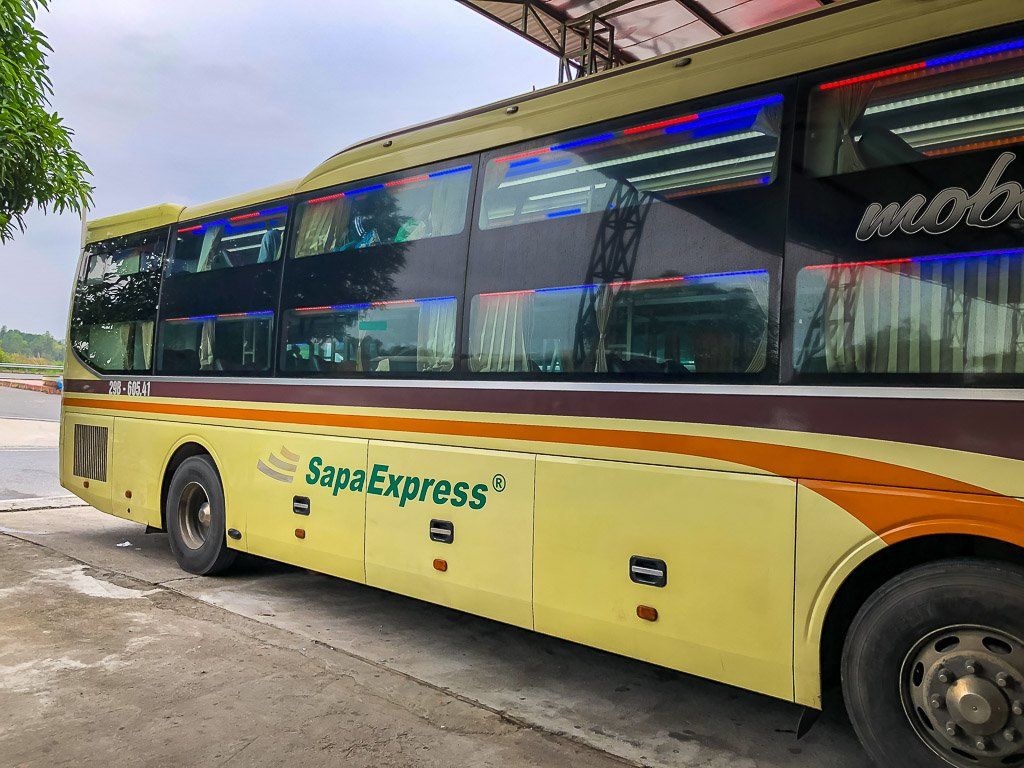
{"x": 933, "y": 667}
{"x": 195, "y": 518}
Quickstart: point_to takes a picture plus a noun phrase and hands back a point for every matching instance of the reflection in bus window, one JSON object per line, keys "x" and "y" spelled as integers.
{"x": 712, "y": 150}
{"x": 403, "y": 336}
{"x": 255, "y": 237}
{"x": 121, "y": 346}
{"x": 231, "y": 343}
{"x": 110, "y": 264}
{"x": 670, "y": 325}
{"x": 385, "y": 212}
{"x": 962, "y": 102}
{"x": 948, "y": 314}
{"x": 115, "y": 302}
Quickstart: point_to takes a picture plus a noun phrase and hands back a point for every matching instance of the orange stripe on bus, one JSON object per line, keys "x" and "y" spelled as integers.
{"x": 888, "y": 514}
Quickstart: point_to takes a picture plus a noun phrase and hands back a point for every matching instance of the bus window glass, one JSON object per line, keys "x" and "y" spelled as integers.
{"x": 385, "y": 212}
{"x": 253, "y": 237}
{"x": 949, "y": 314}
{"x": 112, "y": 321}
{"x": 682, "y": 155}
{"x": 233, "y": 343}
{"x": 403, "y": 336}
{"x": 694, "y": 324}
{"x": 965, "y": 101}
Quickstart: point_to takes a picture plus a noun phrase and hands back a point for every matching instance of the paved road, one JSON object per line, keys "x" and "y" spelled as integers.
{"x": 22, "y": 404}
{"x": 28, "y": 444}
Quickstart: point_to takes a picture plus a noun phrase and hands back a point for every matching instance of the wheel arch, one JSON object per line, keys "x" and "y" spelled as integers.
{"x": 184, "y": 449}
{"x": 879, "y": 568}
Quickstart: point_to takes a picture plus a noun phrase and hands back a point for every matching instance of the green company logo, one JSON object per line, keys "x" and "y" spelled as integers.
{"x": 379, "y": 481}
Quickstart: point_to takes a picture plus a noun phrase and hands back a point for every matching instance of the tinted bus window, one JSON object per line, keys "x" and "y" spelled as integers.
{"x": 377, "y": 276}
{"x": 675, "y": 325}
{"x": 232, "y": 343}
{"x": 404, "y": 336}
{"x": 115, "y": 303}
{"x": 251, "y": 237}
{"x": 644, "y": 248}
{"x": 384, "y": 212}
{"x": 677, "y": 156}
{"x": 904, "y": 261}
{"x": 927, "y": 315}
{"x": 943, "y": 105}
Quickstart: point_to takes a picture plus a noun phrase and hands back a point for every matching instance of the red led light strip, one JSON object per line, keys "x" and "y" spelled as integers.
{"x": 325, "y": 198}
{"x": 971, "y": 147}
{"x": 244, "y": 216}
{"x": 400, "y": 182}
{"x": 660, "y": 124}
{"x": 873, "y": 76}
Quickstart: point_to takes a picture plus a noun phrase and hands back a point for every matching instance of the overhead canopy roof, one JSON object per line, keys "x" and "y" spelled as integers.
{"x": 632, "y": 30}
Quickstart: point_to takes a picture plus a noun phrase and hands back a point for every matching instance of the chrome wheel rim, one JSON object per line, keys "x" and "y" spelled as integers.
{"x": 194, "y": 515}
{"x": 962, "y": 689}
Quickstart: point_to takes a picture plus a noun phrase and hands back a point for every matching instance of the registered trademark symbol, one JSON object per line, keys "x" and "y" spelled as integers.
{"x": 498, "y": 483}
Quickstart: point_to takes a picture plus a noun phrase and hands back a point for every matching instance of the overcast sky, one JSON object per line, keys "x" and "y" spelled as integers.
{"x": 190, "y": 100}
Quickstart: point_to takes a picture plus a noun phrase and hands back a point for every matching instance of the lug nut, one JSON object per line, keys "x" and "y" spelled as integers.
{"x": 1002, "y": 679}
{"x": 981, "y": 743}
{"x": 971, "y": 666}
{"x": 937, "y": 701}
{"x": 945, "y": 676}
{"x": 1010, "y": 735}
{"x": 1018, "y": 708}
{"x": 951, "y": 728}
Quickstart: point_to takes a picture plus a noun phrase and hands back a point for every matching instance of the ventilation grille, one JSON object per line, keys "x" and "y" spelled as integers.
{"x": 91, "y": 452}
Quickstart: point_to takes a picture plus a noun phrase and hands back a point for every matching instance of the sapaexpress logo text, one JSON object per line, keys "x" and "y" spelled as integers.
{"x": 380, "y": 481}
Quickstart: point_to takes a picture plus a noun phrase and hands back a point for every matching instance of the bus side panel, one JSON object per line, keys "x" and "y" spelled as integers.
{"x": 830, "y": 544}
{"x": 93, "y": 439}
{"x": 283, "y": 472}
{"x": 487, "y": 567}
{"x": 726, "y": 540}
{"x": 139, "y": 455}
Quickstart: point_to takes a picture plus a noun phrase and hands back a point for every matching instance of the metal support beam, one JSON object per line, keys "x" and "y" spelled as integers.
{"x": 702, "y": 13}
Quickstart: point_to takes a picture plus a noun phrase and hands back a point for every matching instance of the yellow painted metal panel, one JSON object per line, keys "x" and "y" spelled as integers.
{"x": 488, "y": 496}
{"x": 243, "y": 200}
{"x": 830, "y": 544}
{"x": 132, "y": 221}
{"x": 727, "y": 540}
{"x": 281, "y": 466}
{"x": 138, "y": 456}
{"x": 95, "y": 492}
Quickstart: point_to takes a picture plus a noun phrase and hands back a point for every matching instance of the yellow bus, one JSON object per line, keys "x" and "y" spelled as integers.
{"x": 714, "y": 361}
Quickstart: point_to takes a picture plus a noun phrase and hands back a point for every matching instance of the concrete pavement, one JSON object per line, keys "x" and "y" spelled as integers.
{"x": 642, "y": 714}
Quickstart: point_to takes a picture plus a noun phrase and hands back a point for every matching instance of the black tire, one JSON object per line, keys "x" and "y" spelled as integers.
{"x": 199, "y": 548}
{"x": 900, "y": 651}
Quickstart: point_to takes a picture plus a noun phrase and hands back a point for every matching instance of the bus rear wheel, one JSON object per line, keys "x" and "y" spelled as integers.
{"x": 933, "y": 667}
{"x": 196, "y": 523}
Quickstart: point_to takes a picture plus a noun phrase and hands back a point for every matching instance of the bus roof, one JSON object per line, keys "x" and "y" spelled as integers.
{"x": 837, "y": 33}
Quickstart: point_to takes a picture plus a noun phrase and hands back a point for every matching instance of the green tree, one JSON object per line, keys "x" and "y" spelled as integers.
{"x": 38, "y": 166}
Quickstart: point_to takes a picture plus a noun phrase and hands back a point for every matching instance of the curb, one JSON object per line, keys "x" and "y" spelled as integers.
{"x": 30, "y": 505}
{"x": 46, "y": 387}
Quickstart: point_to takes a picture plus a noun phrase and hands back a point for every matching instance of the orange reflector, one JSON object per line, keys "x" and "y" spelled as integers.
{"x": 127, "y": 494}
{"x": 85, "y": 484}
{"x": 647, "y": 613}
{"x": 300, "y": 533}
{"x": 440, "y": 565}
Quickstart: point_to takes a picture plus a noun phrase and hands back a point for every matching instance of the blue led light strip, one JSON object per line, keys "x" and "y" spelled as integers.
{"x": 920, "y": 259}
{"x": 372, "y": 305}
{"x": 655, "y": 281}
{"x": 226, "y": 316}
{"x": 670, "y": 126}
